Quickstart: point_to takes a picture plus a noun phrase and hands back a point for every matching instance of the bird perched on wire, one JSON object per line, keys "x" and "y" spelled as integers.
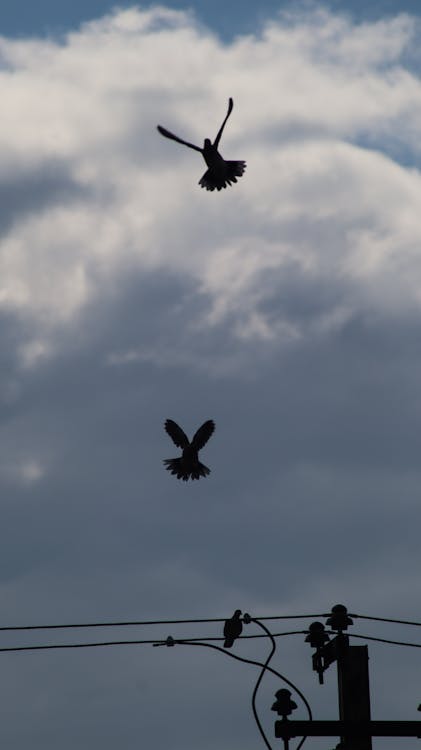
{"x": 220, "y": 173}
{"x": 188, "y": 466}
{"x": 233, "y": 629}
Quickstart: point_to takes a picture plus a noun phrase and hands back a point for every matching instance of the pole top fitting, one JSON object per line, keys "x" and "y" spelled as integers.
{"x": 283, "y": 704}
{"x": 317, "y": 636}
{"x": 339, "y": 619}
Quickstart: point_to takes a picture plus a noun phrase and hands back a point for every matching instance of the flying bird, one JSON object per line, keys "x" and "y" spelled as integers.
{"x": 188, "y": 465}
{"x": 233, "y": 629}
{"x": 220, "y": 173}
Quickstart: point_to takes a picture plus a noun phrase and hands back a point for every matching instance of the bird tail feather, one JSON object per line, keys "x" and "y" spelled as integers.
{"x": 200, "y": 471}
{"x": 174, "y": 465}
{"x": 229, "y": 642}
{"x": 177, "y": 466}
{"x": 208, "y": 181}
{"x": 214, "y": 179}
{"x": 235, "y": 169}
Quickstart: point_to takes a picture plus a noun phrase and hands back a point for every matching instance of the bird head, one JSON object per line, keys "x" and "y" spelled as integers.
{"x": 207, "y": 143}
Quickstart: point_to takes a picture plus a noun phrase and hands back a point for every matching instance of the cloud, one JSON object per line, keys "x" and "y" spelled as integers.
{"x": 97, "y": 195}
{"x": 287, "y": 308}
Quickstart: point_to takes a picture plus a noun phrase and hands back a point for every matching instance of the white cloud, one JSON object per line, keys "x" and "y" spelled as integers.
{"x": 308, "y": 92}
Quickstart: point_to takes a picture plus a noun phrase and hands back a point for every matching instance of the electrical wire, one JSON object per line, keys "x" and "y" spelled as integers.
{"x": 254, "y": 619}
{"x": 187, "y": 621}
{"x": 249, "y": 661}
{"x": 385, "y": 640}
{"x": 206, "y": 643}
{"x": 133, "y": 623}
{"x": 265, "y": 667}
{"x": 114, "y": 624}
{"x": 154, "y": 642}
{"x": 259, "y": 679}
{"x": 49, "y": 646}
{"x": 387, "y": 619}
{"x": 240, "y": 637}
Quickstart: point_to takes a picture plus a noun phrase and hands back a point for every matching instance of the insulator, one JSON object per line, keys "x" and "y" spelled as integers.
{"x": 283, "y": 704}
{"x": 339, "y": 619}
{"x": 317, "y": 636}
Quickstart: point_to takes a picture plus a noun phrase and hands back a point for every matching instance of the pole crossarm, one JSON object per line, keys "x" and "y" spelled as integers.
{"x": 287, "y": 729}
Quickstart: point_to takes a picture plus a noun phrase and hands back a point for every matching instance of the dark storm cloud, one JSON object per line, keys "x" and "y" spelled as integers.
{"x": 103, "y": 425}
{"x": 106, "y": 532}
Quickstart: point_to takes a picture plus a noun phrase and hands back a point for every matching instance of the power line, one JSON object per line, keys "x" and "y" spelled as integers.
{"x": 192, "y": 641}
{"x": 115, "y": 624}
{"x": 187, "y": 621}
{"x": 250, "y": 661}
{"x": 49, "y": 646}
{"x": 134, "y": 623}
{"x": 158, "y": 642}
{"x": 265, "y": 667}
{"x": 259, "y": 679}
{"x": 387, "y": 619}
{"x": 154, "y": 642}
{"x": 384, "y": 640}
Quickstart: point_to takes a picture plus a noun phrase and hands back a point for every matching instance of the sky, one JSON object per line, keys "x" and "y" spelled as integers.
{"x": 45, "y": 17}
{"x": 287, "y": 308}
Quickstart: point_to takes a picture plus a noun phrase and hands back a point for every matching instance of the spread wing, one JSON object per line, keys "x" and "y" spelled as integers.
{"x": 203, "y": 434}
{"x": 166, "y": 133}
{"x": 220, "y": 131}
{"x": 176, "y": 434}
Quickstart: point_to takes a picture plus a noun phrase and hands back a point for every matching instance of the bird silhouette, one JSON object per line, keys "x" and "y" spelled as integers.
{"x": 220, "y": 173}
{"x": 233, "y": 629}
{"x": 188, "y": 465}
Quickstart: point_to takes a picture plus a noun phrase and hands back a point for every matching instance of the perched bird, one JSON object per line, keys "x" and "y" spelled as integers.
{"x": 233, "y": 628}
{"x": 188, "y": 465}
{"x": 220, "y": 173}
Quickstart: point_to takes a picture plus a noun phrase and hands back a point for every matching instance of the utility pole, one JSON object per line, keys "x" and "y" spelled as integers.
{"x": 353, "y": 689}
{"x": 355, "y": 727}
{"x": 353, "y": 681}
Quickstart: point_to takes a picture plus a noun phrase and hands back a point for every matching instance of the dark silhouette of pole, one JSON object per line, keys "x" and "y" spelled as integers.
{"x": 355, "y": 727}
{"x": 353, "y": 690}
{"x": 353, "y": 681}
